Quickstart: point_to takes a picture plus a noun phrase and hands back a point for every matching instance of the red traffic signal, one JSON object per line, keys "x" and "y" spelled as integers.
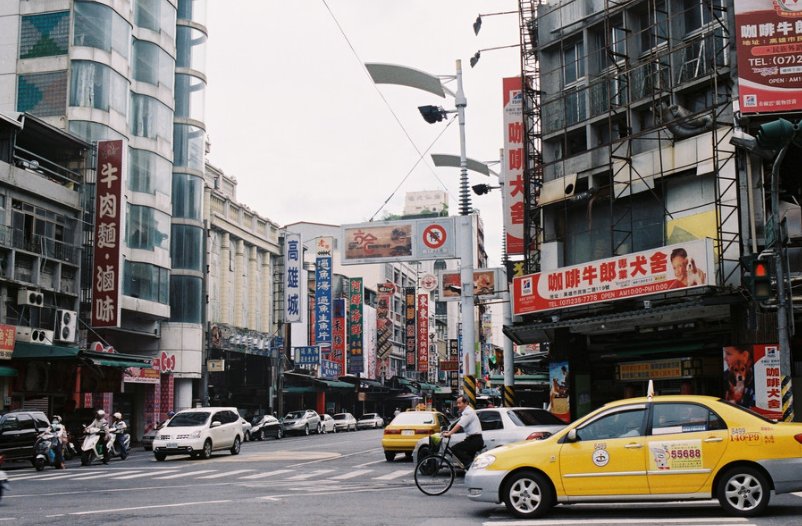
{"x": 761, "y": 280}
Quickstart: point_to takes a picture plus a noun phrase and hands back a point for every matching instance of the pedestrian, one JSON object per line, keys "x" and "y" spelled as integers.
{"x": 468, "y": 422}
{"x": 397, "y": 411}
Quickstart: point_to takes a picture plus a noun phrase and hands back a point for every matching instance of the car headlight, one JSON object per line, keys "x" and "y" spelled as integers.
{"x": 196, "y": 434}
{"x": 482, "y": 461}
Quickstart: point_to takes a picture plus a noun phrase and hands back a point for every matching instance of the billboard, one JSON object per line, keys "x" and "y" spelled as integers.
{"x": 323, "y": 299}
{"x": 512, "y": 166}
{"x": 293, "y": 254}
{"x": 752, "y": 378}
{"x": 662, "y": 269}
{"x": 487, "y": 282}
{"x": 109, "y": 218}
{"x": 394, "y": 241}
{"x": 768, "y": 37}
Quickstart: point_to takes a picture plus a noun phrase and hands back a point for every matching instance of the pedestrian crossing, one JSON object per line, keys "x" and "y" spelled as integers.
{"x": 214, "y": 475}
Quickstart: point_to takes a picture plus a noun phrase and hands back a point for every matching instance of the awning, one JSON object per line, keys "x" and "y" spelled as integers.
{"x": 299, "y": 389}
{"x": 335, "y": 384}
{"x": 28, "y": 350}
{"x": 443, "y": 390}
{"x": 7, "y": 371}
{"x": 116, "y": 359}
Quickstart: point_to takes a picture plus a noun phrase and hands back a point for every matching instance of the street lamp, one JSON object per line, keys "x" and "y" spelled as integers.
{"x": 413, "y": 78}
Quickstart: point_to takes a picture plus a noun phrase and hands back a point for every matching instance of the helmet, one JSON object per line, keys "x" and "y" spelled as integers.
{"x": 56, "y": 419}
{"x": 100, "y": 413}
{"x": 170, "y": 414}
{"x": 118, "y": 416}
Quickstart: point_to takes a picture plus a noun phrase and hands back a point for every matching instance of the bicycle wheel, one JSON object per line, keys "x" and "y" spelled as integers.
{"x": 434, "y": 475}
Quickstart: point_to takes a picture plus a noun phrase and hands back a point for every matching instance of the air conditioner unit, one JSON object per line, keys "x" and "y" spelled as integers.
{"x": 29, "y": 334}
{"x": 30, "y": 297}
{"x": 66, "y": 325}
{"x": 24, "y": 334}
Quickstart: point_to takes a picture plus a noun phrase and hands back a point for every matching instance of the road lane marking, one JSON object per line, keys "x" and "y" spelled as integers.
{"x": 697, "y": 521}
{"x": 225, "y": 474}
{"x": 394, "y": 475}
{"x": 267, "y": 474}
{"x": 797, "y": 493}
{"x": 154, "y": 506}
{"x": 50, "y": 475}
{"x": 185, "y": 474}
{"x": 370, "y": 463}
{"x": 67, "y": 476}
{"x": 149, "y": 474}
{"x": 310, "y": 474}
{"x": 106, "y": 475}
{"x": 351, "y": 474}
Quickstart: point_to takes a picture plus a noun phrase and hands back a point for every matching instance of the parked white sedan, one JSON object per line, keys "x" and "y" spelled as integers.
{"x": 370, "y": 421}
{"x": 328, "y": 424}
{"x": 503, "y": 425}
{"x": 345, "y": 422}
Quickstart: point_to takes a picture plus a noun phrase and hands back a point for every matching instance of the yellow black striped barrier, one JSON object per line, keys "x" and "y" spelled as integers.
{"x": 469, "y": 389}
{"x": 509, "y": 396}
{"x": 788, "y": 400}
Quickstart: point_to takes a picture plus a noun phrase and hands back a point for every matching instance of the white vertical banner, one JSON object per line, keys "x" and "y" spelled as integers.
{"x": 293, "y": 261}
{"x": 512, "y": 165}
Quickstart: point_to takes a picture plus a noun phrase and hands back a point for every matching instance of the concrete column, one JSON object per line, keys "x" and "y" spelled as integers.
{"x": 240, "y": 296}
{"x": 183, "y": 393}
{"x": 225, "y": 278}
{"x": 253, "y": 288}
{"x": 266, "y": 287}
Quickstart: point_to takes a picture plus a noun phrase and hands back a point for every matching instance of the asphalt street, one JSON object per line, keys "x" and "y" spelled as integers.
{"x": 329, "y": 479}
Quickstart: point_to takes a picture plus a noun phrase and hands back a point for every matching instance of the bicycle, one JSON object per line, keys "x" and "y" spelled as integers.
{"x": 434, "y": 474}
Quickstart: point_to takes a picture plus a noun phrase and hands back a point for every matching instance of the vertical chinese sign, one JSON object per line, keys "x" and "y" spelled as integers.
{"x": 355, "y": 365}
{"x": 384, "y": 327}
{"x": 8, "y": 336}
{"x": 292, "y": 278}
{"x": 423, "y": 333}
{"x": 323, "y": 302}
{"x": 338, "y": 334}
{"x": 453, "y": 355}
{"x": 109, "y": 217}
{"x": 410, "y": 328}
{"x": 768, "y": 36}
{"x": 512, "y": 174}
{"x": 752, "y": 379}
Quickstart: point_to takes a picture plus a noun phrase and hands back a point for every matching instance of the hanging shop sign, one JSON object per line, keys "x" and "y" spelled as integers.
{"x": 307, "y": 355}
{"x": 752, "y": 379}
{"x": 512, "y": 167}
{"x": 384, "y": 326}
{"x": 338, "y": 332}
{"x": 394, "y": 241}
{"x": 215, "y": 366}
{"x": 559, "y": 401}
{"x": 141, "y": 375}
{"x": 323, "y": 300}
{"x": 293, "y": 256}
{"x": 329, "y": 370}
{"x": 8, "y": 336}
{"x": 423, "y": 333}
{"x": 670, "y": 369}
{"x": 663, "y": 269}
{"x": 355, "y": 326}
{"x": 410, "y": 328}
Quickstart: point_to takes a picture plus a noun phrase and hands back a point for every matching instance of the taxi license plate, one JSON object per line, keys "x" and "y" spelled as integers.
{"x": 172, "y": 445}
{"x": 407, "y": 432}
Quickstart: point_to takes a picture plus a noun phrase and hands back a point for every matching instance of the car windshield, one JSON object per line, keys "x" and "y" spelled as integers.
{"x": 256, "y": 419}
{"x": 534, "y": 417}
{"x": 195, "y": 418}
{"x": 339, "y": 416}
{"x": 368, "y": 416}
{"x": 412, "y": 418}
{"x": 295, "y": 414}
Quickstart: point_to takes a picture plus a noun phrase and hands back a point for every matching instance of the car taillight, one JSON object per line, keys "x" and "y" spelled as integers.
{"x": 392, "y": 431}
{"x": 538, "y": 435}
{"x": 797, "y": 437}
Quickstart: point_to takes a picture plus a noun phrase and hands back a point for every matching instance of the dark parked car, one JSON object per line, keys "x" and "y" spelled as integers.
{"x": 18, "y": 432}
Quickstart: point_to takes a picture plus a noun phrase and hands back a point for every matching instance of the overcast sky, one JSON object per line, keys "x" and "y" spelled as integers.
{"x": 292, "y": 113}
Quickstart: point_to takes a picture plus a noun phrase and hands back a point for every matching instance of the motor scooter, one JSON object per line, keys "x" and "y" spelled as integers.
{"x": 92, "y": 446}
{"x": 114, "y": 447}
{"x": 3, "y": 479}
{"x": 44, "y": 450}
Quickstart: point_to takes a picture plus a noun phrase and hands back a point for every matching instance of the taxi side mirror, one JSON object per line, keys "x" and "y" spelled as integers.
{"x": 571, "y": 436}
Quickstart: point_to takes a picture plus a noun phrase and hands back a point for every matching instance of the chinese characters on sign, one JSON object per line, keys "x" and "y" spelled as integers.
{"x": 308, "y": 355}
{"x": 8, "y": 335}
{"x": 512, "y": 171}
{"x": 769, "y": 40}
{"x": 355, "y": 361}
{"x": 337, "y": 354}
{"x": 109, "y": 208}
{"x": 752, "y": 378}
{"x": 409, "y": 327}
{"x": 293, "y": 252}
{"x": 384, "y": 329}
{"x": 323, "y": 300}
{"x": 423, "y": 333}
{"x": 653, "y": 271}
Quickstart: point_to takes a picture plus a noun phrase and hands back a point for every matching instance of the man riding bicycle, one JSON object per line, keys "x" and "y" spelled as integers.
{"x": 468, "y": 422}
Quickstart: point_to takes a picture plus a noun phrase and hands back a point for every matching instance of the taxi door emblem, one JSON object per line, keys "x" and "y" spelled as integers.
{"x": 601, "y": 457}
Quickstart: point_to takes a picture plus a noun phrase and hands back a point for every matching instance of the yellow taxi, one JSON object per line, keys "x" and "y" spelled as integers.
{"x": 401, "y": 435}
{"x": 640, "y": 449}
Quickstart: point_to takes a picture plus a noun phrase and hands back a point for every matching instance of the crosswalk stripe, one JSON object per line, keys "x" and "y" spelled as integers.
{"x": 394, "y": 475}
{"x": 185, "y": 474}
{"x": 106, "y": 475}
{"x": 352, "y": 474}
{"x": 66, "y": 476}
{"x": 225, "y": 474}
{"x": 797, "y": 493}
{"x": 148, "y": 474}
{"x": 311, "y": 474}
{"x": 266, "y": 474}
{"x": 49, "y": 475}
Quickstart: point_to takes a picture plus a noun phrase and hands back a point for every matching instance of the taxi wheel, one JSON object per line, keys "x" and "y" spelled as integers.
{"x": 389, "y": 456}
{"x": 528, "y": 494}
{"x": 743, "y": 491}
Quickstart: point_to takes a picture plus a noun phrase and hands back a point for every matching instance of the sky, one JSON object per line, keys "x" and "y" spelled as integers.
{"x": 292, "y": 114}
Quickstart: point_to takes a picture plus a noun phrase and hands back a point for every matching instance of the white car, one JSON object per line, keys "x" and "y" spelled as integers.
{"x": 305, "y": 421}
{"x": 246, "y": 430}
{"x": 345, "y": 422}
{"x": 503, "y": 425}
{"x": 328, "y": 424}
{"x": 198, "y": 432}
{"x": 370, "y": 421}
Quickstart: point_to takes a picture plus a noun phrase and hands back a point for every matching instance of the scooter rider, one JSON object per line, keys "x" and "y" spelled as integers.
{"x": 102, "y": 424}
{"x": 116, "y": 431}
{"x": 61, "y": 435}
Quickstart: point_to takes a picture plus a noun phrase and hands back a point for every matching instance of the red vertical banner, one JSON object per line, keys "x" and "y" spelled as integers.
{"x": 410, "y": 316}
{"x": 423, "y": 333}
{"x": 109, "y": 216}
{"x": 338, "y": 334}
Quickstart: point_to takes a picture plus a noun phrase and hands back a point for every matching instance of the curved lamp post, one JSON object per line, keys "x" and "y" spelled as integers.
{"x": 413, "y": 78}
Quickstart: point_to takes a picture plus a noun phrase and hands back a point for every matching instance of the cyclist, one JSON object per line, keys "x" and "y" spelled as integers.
{"x": 468, "y": 422}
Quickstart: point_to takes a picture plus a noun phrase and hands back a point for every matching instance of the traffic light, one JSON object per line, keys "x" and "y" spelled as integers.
{"x": 432, "y": 114}
{"x": 761, "y": 279}
{"x": 775, "y": 133}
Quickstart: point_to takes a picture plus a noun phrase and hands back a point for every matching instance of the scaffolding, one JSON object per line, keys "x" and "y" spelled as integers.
{"x": 633, "y": 93}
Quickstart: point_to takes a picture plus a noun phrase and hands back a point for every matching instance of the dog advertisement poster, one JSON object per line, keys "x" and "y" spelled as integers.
{"x": 752, "y": 378}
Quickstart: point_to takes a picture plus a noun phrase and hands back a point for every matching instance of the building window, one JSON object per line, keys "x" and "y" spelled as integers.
{"x": 186, "y": 249}
{"x": 150, "y": 118}
{"x": 190, "y": 48}
{"x": 156, "y": 15}
{"x": 152, "y": 64}
{"x": 187, "y": 196}
{"x": 148, "y": 173}
{"x": 190, "y": 92}
{"x": 186, "y": 293}
{"x": 654, "y": 26}
{"x": 146, "y": 228}
{"x": 146, "y": 281}
{"x": 575, "y": 106}
{"x": 45, "y": 35}
{"x": 42, "y": 94}
{"x": 188, "y": 146}
{"x": 573, "y": 62}
{"x": 98, "y": 26}
{"x": 95, "y": 85}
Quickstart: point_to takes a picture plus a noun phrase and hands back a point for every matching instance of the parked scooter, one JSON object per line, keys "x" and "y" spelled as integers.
{"x": 3, "y": 479}
{"x": 44, "y": 450}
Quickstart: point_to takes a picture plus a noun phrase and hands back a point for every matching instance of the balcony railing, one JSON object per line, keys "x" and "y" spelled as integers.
{"x": 43, "y": 246}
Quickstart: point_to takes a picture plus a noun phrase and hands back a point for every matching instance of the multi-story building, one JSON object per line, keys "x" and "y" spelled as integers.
{"x": 130, "y": 70}
{"x": 629, "y": 112}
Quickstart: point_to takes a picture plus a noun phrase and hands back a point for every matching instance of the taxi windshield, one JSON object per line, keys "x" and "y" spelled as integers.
{"x": 414, "y": 419}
